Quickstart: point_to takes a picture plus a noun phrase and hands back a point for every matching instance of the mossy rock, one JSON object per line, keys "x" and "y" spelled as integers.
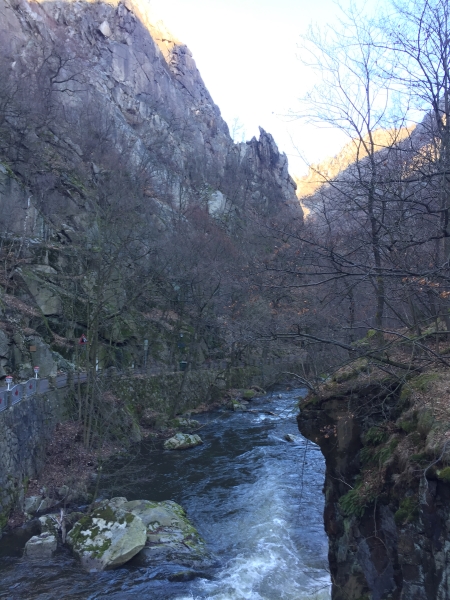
{"x": 375, "y": 435}
{"x": 171, "y": 537}
{"x": 182, "y": 423}
{"x": 422, "y": 383}
{"x": 407, "y": 512}
{"x": 444, "y": 474}
{"x": 248, "y": 394}
{"x": 350, "y": 371}
{"x": 406, "y": 392}
{"x": 107, "y": 538}
{"x": 408, "y": 425}
{"x": 182, "y": 441}
{"x": 310, "y": 400}
{"x": 49, "y": 524}
{"x": 378, "y": 456}
{"x": 425, "y": 421}
{"x": 420, "y": 457}
{"x": 352, "y": 503}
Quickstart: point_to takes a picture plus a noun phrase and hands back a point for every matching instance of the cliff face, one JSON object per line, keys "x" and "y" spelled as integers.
{"x": 386, "y": 487}
{"x": 109, "y": 142}
{"x": 109, "y": 68}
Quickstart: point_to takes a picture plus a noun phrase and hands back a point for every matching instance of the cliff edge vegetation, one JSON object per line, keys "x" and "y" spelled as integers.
{"x": 386, "y": 442}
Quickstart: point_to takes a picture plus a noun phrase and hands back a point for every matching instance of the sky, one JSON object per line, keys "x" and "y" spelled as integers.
{"x": 247, "y": 54}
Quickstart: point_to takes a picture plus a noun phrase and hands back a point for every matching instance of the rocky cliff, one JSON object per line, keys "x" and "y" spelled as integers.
{"x": 387, "y": 485}
{"x": 109, "y": 138}
{"x": 104, "y": 76}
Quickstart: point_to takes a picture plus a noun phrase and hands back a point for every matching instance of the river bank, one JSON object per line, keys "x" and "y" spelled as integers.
{"x": 254, "y": 497}
{"x": 41, "y": 429}
{"x": 70, "y": 470}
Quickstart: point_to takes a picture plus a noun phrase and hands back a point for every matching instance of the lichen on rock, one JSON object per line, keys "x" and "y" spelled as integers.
{"x": 181, "y": 441}
{"x": 154, "y": 533}
{"x": 107, "y": 538}
{"x": 171, "y": 537}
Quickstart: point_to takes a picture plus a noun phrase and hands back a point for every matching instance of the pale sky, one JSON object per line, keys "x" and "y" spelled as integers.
{"x": 246, "y": 52}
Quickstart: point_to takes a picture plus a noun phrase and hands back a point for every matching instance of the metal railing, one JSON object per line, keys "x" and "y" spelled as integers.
{"x": 26, "y": 389}
{"x": 9, "y": 396}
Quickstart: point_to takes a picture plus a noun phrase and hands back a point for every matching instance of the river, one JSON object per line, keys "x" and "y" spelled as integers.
{"x": 255, "y": 498}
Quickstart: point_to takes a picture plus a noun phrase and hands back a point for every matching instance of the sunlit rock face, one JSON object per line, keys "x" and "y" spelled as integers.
{"x": 114, "y": 66}
{"x": 269, "y": 167}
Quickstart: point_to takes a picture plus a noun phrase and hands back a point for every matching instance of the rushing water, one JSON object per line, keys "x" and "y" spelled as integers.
{"x": 255, "y": 498}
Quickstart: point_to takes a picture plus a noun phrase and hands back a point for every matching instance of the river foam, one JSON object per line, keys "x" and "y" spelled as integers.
{"x": 254, "y": 497}
{"x": 279, "y": 546}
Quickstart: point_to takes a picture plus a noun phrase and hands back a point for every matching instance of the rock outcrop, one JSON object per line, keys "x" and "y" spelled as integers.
{"x": 117, "y": 71}
{"x": 113, "y": 110}
{"x": 107, "y": 538}
{"x": 386, "y": 487}
{"x": 182, "y": 441}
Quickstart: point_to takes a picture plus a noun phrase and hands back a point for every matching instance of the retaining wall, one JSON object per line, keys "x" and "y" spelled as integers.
{"x": 30, "y": 411}
{"x": 25, "y": 428}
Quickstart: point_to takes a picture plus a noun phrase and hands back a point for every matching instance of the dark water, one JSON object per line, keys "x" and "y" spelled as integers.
{"x": 255, "y": 498}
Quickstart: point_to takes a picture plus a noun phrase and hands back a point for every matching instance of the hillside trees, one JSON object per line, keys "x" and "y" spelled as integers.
{"x": 353, "y": 97}
{"x": 375, "y": 246}
{"x": 419, "y": 38}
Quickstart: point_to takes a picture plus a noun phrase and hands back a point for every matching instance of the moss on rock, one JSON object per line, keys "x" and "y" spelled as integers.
{"x": 108, "y": 537}
{"x": 407, "y": 512}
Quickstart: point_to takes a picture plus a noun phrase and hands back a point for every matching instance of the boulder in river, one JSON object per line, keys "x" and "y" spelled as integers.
{"x": 41, "y": 546}
{"x": 181, "y": 441}
{"x": 32, "y": 504}
{"x": 184, "y": 423}
{"x": 171, "y": 537}
{"x": 50, "y": 524}
{"x": 108, "y": 537}
{"x": 237, "y": 405}
{"x": 162, "y": 537}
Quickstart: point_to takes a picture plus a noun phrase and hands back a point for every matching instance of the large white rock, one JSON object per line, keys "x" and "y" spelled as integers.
{"x": 41, "y": 546}
{"x": 107, "y": 538}
{"x": 181, "y": 441}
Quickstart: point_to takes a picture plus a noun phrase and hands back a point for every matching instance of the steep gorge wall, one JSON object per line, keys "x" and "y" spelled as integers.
{"x": 386, "y": 492}
{"x": 109, "y": 67}
{"x": 108, "y": 134}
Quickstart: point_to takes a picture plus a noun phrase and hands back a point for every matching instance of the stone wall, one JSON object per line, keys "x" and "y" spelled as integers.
{"x": 175, "y": 393}
{"x": 25, "y": 429}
